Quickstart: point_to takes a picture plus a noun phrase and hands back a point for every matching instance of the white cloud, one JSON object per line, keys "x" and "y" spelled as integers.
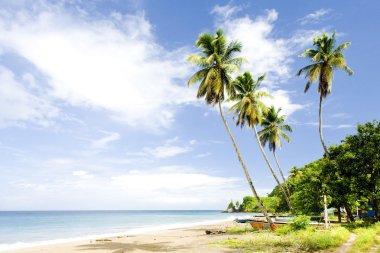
{"x": 169, "y": 149}
{"x": 265, "y": 54}
{"x": 341, "y": 115}
{"x": 225, "y": 11}
{"x": 171, "y": 187}
{"x": 82, "y": 174}
{"x": 281, "y": 98}
{"x": 166, "y": 150}
{"x": 18, "y": 105}
{"x": 112, "y": 63}
{"x": 104, "y": 141}
{"x": 204, "y": 155}
{"x": 314, "y": 17}
{"x": 173, "y": 181}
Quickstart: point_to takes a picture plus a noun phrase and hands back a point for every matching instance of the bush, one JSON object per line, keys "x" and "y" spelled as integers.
{"x": 298, "y": 241}
{"x": 240, "y": 230}
{"x": 299, "y": 223}
{"x": 283, "y": 230}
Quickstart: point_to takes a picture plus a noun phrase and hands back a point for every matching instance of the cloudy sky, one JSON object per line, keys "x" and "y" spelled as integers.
{"x": 95, "y": 112}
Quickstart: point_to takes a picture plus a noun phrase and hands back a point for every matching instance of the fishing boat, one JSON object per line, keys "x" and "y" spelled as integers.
{"x": 261, "y": 224}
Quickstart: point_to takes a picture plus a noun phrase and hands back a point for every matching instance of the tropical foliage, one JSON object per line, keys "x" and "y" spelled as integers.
{"x": 273, "y": 129}
{"x": 351, "y": 178}
{"x": 325, "y": 59}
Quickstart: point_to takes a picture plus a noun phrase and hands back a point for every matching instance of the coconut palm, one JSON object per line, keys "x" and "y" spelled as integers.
{"x": 249, "y": 109}
{"x": 216, "y": 62}
{"x": 326, "y": 58}
{"x": 273, "y": 129}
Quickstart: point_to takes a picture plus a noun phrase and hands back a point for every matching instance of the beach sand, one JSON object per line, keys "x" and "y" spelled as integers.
{"x": 191, "y": 239}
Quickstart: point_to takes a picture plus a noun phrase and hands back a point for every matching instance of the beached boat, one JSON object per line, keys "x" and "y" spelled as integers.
{"x": 261, "y": 224}
{"x": 243, "y": 220}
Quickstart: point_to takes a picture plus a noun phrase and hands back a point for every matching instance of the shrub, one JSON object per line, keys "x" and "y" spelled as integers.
{"x": 240, "y": 230}
{"x": 300, "y": 222}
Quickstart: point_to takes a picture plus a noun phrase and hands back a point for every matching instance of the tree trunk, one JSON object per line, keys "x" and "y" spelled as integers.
{"x": 326, "y": 153}
{"x": 339, "y": 215}
{"x": 282, "y": 174}
{"x": 271, "y": 169}
{"x": 259, "y": 202}
{"x": 326, "y": 216}
{"x": 375, "y": 206}
{"x": 320, "y": 128}
{"x": 350, "y": 217}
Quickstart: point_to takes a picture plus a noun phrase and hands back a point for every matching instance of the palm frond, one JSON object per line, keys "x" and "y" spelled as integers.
{"x": 342, "y": 46}
{"x": 306, "y": 69}
{"x": 198, "y": 76}
{"x": 348, "y": 70}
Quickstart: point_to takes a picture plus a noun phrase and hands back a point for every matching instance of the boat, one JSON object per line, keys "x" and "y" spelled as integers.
{"x": 261, "y": 224}
{"x": 243, "y": 220}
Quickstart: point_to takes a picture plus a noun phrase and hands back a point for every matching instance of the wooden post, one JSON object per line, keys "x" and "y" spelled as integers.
{"x": 326, "y": 214}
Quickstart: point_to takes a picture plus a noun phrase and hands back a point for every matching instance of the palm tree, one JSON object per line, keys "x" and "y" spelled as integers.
{"x": 326, "y": 58}
{"x": 216, "y": 62}
{"x": 249, "y": 109}
{"x": 273, "y": 129}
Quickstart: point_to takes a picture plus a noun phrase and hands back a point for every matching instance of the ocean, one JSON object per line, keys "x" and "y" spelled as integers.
{"x": 22, "y": 229}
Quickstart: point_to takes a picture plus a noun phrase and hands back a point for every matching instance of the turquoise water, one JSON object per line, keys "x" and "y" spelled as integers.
{"x": 19, "y": 229}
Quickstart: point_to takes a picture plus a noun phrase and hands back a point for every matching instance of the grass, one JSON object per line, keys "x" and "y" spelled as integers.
{"x": 241, "y": 230}
{"x": 367, "y": 237}
{"x": 309, "y": 240}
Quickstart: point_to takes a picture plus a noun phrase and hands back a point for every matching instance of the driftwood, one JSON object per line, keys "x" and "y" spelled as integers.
{"x": 214, "y": 232}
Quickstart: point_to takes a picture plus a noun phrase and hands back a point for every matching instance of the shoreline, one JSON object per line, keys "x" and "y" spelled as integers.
{"x": 142, "y": 232}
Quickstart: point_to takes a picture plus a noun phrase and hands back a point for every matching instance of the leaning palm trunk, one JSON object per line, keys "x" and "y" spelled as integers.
{"x": 282, "y": 174}
{"x": 271, "y": 169}
{"x": 327, "y": 157}
{"x": 259, "y": 202}
{"x": 320, "y": 128}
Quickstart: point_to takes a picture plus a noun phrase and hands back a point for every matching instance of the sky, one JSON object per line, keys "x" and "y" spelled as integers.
{"x": 96, "y": 114}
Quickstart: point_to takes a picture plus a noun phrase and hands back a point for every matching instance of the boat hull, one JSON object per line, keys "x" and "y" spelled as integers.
{"x": 263, "y": 225}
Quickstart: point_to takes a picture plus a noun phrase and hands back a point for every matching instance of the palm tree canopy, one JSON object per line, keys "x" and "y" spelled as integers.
{"x": 216, "y": 62}
{"x": 274, "y": 128}
{"x": 326, "y": 58}
{"x": 249, "y": 108}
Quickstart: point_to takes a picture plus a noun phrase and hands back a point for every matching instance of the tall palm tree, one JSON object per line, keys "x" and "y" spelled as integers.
{"x": 216, "y": 62}
{"x": 249, "y": 109}
{"x": 326, "y": 58}
{"x": 273, "y": 129}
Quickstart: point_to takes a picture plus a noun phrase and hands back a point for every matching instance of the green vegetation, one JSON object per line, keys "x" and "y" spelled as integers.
{"x": 250, "y": 204}
{"x": 351, "y": 178}
{"x": 299, "y": 223}
{"x": 367, "y": 236}
{"x": 241, "y": 230}
{"x": 300, "y": 241}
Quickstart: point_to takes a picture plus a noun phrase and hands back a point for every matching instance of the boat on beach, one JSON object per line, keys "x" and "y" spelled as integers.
{"x": 278, "y": 221}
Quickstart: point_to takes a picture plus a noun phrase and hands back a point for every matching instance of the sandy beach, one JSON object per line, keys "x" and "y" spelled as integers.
{"x": 191, "y": 239}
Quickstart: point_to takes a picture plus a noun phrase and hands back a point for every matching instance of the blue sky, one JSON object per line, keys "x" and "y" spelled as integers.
{"x": 95, "y": 112}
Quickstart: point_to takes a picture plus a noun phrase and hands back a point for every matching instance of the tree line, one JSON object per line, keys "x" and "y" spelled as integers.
{"x": 350, "y": 177}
